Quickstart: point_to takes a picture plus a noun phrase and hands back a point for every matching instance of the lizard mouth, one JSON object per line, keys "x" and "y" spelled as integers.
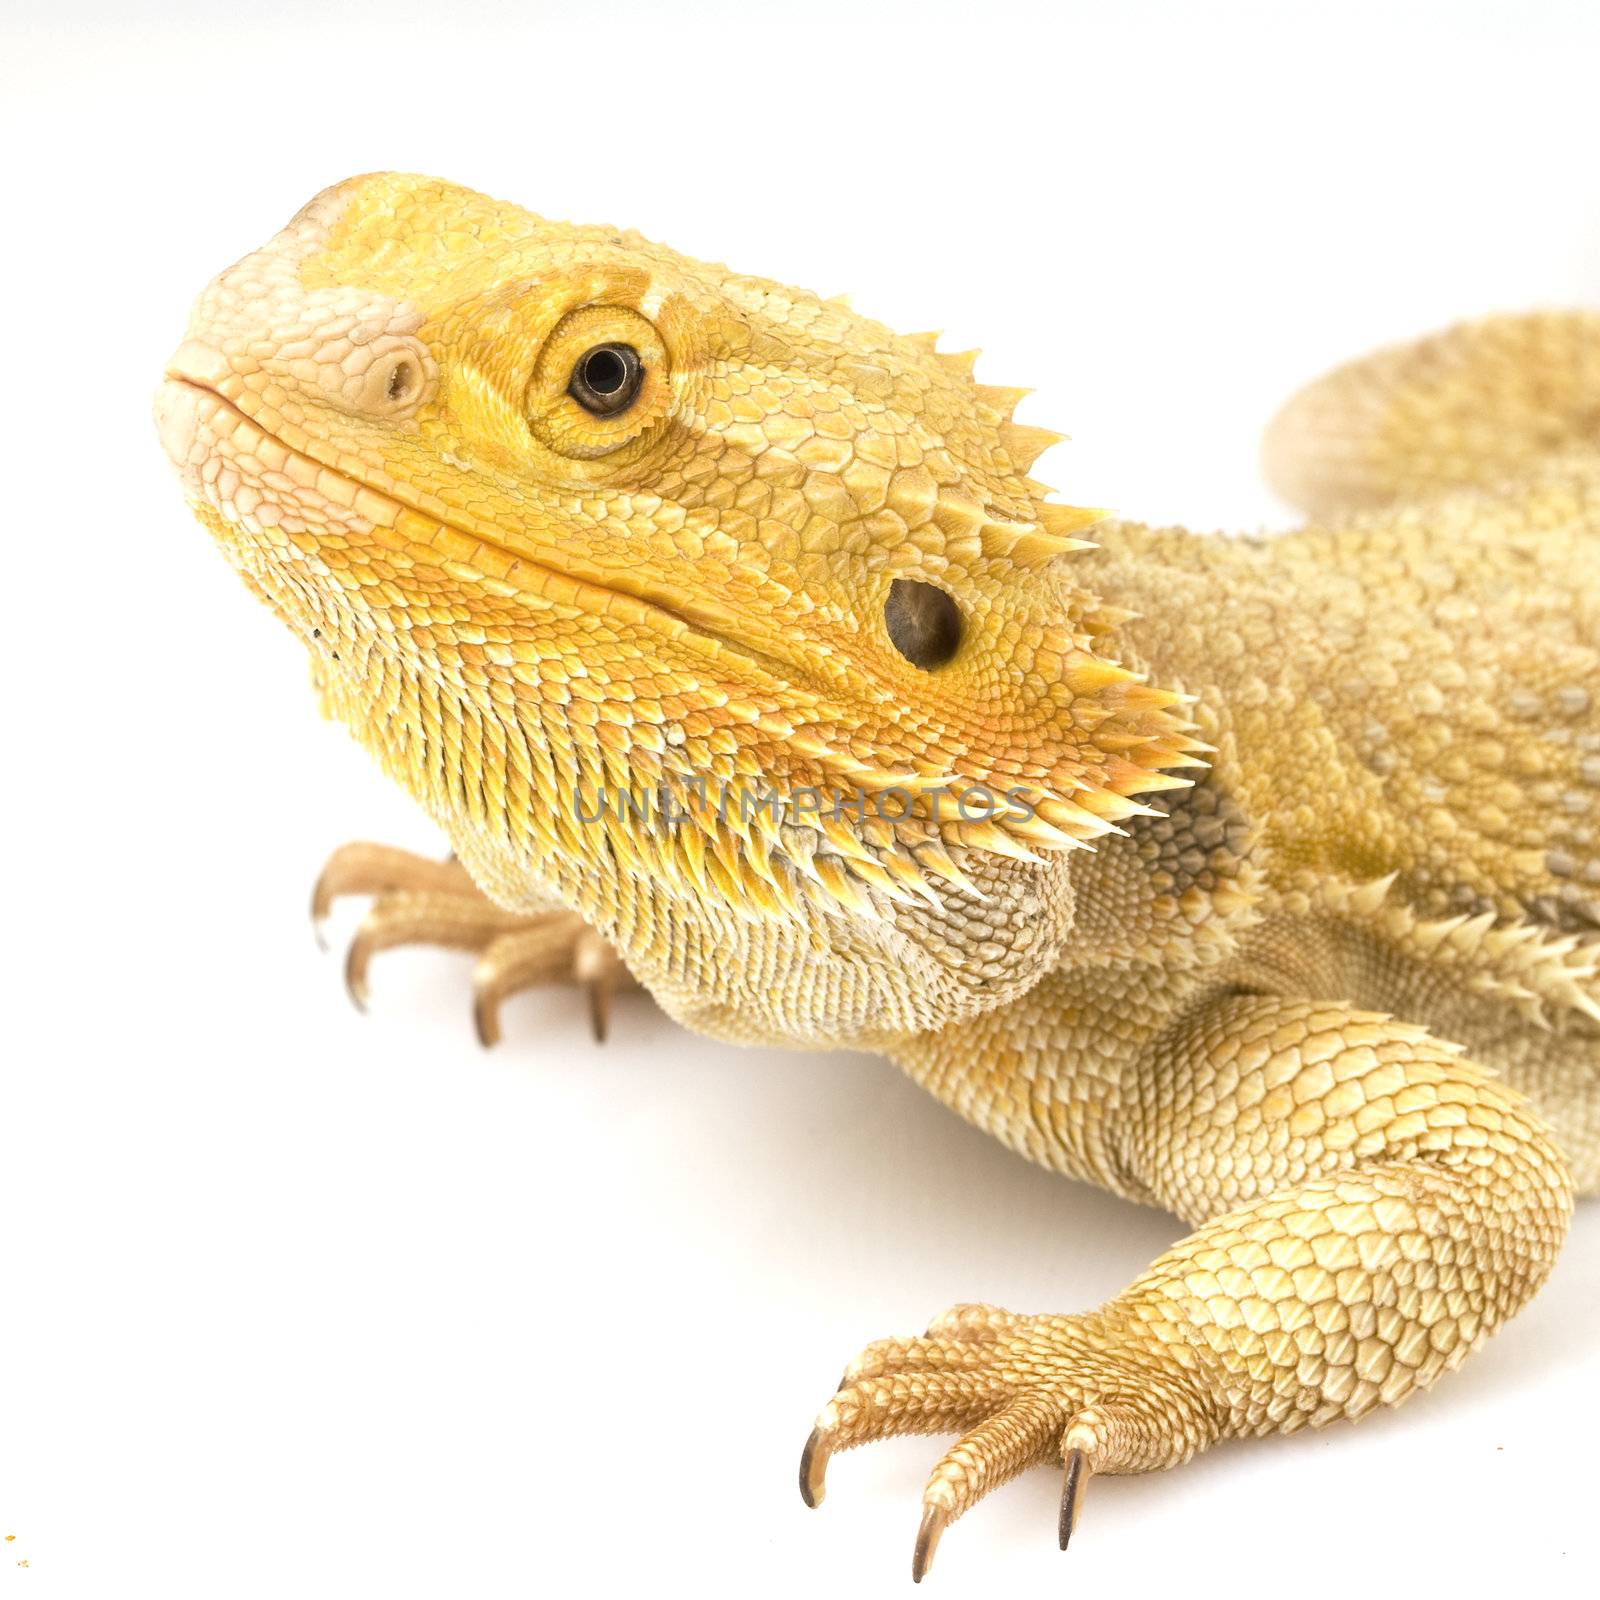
{"x": 195, "y": 420}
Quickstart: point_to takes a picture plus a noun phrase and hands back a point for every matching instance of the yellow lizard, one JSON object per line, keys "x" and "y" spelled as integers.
{"x": 729, "y": 639}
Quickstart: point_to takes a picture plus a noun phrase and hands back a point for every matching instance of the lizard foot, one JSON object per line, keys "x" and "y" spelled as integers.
{"x": 417, "y": 900}
{"x": 1097, "y": 1393}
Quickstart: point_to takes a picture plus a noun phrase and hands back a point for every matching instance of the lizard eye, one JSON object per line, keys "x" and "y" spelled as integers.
{"x": 923, "y": 622}
{"x": 602, "y": 384}
{"x": 607, "y": 379}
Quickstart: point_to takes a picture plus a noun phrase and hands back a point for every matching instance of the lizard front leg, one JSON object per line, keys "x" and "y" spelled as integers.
{"x": 417, "y": 900}
{"x": 1370, "y": 1206}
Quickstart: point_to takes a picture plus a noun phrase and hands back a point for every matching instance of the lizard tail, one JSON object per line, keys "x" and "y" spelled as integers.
{"x": 1477, "y": 406}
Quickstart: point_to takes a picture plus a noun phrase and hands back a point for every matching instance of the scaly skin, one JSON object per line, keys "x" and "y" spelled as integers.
{"x": 1291, "y": 919}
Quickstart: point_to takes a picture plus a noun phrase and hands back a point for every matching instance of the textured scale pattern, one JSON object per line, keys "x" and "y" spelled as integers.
{"x": 1292, "y": 926}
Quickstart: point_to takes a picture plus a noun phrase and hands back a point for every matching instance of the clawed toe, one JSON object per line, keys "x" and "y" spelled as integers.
{"x": 422, "y": 901}
{"x": 374, "y": 869}
{"x": 1020, "y": 1391}
{"x": 404, "y": 917}
{"x": 556, "y": 948}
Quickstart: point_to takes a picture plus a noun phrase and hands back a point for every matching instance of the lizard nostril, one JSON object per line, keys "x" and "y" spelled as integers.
{"x": 404, "y": 380}
{"x": 391, "y": 381}
{"x": 924, "y": 623}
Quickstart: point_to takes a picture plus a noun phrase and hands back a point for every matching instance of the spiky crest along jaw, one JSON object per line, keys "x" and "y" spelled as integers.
{"x": 527, "y": 618}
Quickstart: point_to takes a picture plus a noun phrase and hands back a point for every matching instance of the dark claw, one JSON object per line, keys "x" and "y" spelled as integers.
{"x": 321, "y": 905}
{"x": 486, "y": 1020}
{"x": 1072, "y": 1494}
{"x": 934, "y": 1519}
{"x": 355, "y": 974}
{"x": 600, "y": 1007}
{"x": 814, "y": 1468}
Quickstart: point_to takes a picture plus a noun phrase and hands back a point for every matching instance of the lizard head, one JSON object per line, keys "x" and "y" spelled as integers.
{"x": 727, "y": 614}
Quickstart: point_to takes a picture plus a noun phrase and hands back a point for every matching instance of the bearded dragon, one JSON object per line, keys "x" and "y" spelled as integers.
{"x": 1257, "y": 879}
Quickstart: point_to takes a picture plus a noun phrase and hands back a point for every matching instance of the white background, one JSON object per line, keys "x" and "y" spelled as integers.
{"x": 293, "y": 1301}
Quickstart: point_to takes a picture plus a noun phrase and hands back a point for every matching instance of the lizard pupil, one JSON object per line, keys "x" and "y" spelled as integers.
{"x": 607, "y": 379}
{"x": 924, "y": 623}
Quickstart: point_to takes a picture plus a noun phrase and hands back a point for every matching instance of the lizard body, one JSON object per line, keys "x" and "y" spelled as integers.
{"x": 1287, "y": 915}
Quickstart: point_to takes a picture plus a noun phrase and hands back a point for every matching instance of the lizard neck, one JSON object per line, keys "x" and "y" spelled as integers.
{"x": 1178, "y": 584}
